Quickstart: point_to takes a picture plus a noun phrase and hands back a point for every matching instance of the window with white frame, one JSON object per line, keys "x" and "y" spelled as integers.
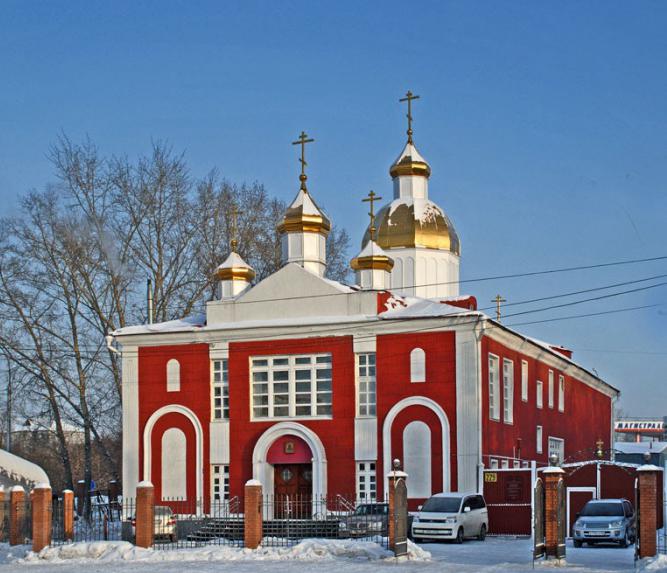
{"x": 539, "y": 393}
{"x": 557, "y": 446}
{"x": 504, "y": 464}
{"x": 366, "y": 384}
{"x": 220, "y": 390}
{"x": 366, "y": 481}
{"x": 524, "y": 380}
{"x": 508, "y": 391}
{"x": 173, "y": 375}
{"x": 219, "y": 482}
{"x": 538, "y": 440}
{"x": 551, "y": 389}
{"x": 516, "y": 464}
{"x": 494, "y": 388}
{"x": 417, "y": 365}
{"x": 494, "y": 464}
{"x": 561, "y": 393}
{"x": 291, "y": 386}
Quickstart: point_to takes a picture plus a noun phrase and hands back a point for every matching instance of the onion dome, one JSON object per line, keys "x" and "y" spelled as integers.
{"x": 303, "y": 215}
{"x": 407, "y": 223}
{"x": 410, "y": 162}
{"x": 234, "y": 269}
{"x": 372, "y": 257}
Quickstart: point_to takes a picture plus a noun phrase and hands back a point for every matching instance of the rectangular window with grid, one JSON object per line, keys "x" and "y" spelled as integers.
{"x": 366, "y": 481}
{"x": 557, "y": 446}
{"x": 366, "y": 383}
{"x": 219, "y": 482}
{"x": 508, "y": 391}
{"x": 220, "y": 390}
{"x": 494, "y": 388}
{"x": 295, "y": 386}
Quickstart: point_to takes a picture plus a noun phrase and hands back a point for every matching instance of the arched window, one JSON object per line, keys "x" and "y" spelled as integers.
{"x": 417, "y": 365}
{"x": 173, "y": 376}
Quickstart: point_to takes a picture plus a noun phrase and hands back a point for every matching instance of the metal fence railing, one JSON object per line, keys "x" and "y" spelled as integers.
{"x": 4, "y": 521}
{"x": 103, "y": 521}
{"x": 288, "y": 519}
{"x": 193, "y": 523}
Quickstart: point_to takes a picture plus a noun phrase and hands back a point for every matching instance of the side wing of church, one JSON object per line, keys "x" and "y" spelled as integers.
{"x": 313, "y": 387}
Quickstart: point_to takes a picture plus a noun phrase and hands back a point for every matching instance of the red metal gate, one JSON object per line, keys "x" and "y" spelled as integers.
{"x": 508, "y": 494}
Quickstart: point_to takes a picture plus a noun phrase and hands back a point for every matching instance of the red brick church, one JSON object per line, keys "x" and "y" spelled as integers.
{"x": 313, "y": 386}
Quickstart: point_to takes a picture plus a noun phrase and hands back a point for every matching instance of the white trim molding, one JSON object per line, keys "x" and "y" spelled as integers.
{"x": 444, "y": 427}
{"x": 199, "y": 443}
{"x": 262, "y": 470}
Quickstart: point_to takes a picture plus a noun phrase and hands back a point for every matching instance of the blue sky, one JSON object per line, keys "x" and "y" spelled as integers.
{"x": 545, "y": 124}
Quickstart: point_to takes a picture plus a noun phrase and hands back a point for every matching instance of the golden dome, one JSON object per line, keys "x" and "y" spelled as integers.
{"x": 410, "y": 162}
{"x": 234, "y": 269}
{"x": 303, "y": 215}
{"x": 372, "y": 257}
{"x": 408, "y": 223}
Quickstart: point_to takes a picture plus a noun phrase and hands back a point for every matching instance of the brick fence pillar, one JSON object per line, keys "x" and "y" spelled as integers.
{"x": 393, "y": 477}
{"x": 68, "y": 515}
{"x": 253, "y": 526}
{"x": 42, "y": 520}
{"x": 648, "y": 510}
{"x": 16, "y": 515}
{"x": 144, "y": 521}
{"x": 552, "y": 476}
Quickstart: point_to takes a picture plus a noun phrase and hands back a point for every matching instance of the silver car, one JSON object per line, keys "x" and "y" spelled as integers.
{"x": 605, "y": 520}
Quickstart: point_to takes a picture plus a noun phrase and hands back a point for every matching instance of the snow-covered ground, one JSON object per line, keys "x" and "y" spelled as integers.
{"x": 493, "y": 555}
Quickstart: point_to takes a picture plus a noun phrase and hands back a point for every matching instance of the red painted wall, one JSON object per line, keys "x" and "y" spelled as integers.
{"x": 337, "y": 435}
{"x": 300, "y": 455}
{"x": 587, "y": 415}
{"x": 194, "y": 394}
{"x": 393, "y": 375}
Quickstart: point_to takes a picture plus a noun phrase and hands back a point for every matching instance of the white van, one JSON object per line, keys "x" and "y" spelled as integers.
{"x": 451, "y": 516}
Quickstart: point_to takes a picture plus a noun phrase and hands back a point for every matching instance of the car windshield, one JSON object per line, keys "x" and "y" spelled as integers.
{"x": 162, "y": 510}
{"x": 370, "y": 509}
{"x": 602, "y": 509}
{"x": 443, "y": 504}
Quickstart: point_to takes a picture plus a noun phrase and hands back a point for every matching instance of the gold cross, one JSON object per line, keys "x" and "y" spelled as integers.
{"x": 303, "y": 139}
{"x": 409, "y": 97}
{"x": 372, "y": 198}
{"x": 498, "y": 300}
{"x": 235, "y": 213}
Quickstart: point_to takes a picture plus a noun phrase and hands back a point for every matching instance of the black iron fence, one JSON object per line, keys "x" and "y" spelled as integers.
{"x": 288, "y": 519}
{"x": 4, "y": 521}
{"x": 178, "y": 523}
{"x": 108, "y": 520}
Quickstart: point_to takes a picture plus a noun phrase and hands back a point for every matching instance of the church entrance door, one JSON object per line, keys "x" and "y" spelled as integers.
{"x": 293, "y": 489}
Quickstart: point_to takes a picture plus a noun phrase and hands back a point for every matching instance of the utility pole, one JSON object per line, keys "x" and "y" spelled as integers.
{"x": 149, "y": 300}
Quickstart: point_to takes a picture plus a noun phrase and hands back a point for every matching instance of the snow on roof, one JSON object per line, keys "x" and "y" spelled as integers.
{"x": 189, "y": 323}
{"x": 18, "y": 469}
{"x": 641, "y": 447}
{"x": 234, "y": 260}
{"x": 413, "y": 307}
{"x": 372, "y": 249}
{"x": 424, "y": 210}
{"x": 305, "y": 201}
{"x": 410, "y": 151}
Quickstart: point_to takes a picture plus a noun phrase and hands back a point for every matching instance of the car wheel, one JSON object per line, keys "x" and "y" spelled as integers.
{"x": 482, "y": 532}
{"x": 173, "y": 538}
{"x": 577, "y": 543}
{"x": 625, "y": 541}
{"x": 459, "y": 536}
